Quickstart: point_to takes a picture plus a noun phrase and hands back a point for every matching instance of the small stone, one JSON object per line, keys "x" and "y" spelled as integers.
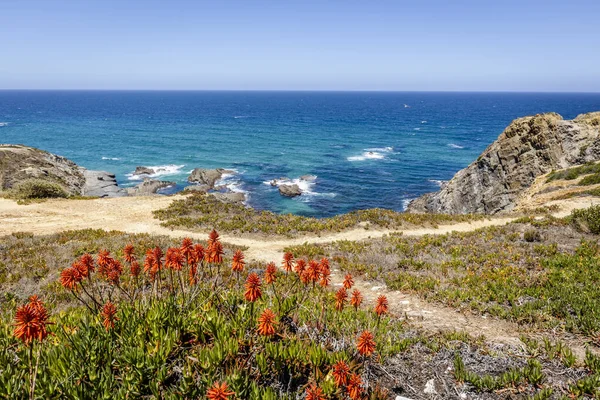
{"x": 430, "y": 387}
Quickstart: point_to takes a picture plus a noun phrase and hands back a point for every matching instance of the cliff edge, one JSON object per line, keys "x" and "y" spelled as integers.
{"x": 528, "y": 147}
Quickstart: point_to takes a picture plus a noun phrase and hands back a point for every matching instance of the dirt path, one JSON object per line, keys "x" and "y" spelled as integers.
{"x": 134, "y": 215}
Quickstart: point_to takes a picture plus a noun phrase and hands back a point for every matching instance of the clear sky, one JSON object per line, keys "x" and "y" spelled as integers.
{"x": 479, "y": 45}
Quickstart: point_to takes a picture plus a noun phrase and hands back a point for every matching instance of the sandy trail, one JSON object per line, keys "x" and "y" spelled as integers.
{"x": 134, "y": 215}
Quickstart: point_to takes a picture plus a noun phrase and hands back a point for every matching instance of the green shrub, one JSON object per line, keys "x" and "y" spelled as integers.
{"x": 532, "y": 235}
{"x": 590, "y": 180}
{"x": 37, "y": 189}
{"x": 587, "y": 219}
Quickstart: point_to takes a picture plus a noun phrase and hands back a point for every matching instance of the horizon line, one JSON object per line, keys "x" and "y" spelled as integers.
{"x": 300, "y": 91}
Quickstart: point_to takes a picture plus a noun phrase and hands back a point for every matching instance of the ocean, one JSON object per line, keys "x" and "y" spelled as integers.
{"x": 367, "y": 150}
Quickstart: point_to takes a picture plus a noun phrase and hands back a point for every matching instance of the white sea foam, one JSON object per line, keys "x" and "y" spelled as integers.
{"x": 374, "y": 153}
{"x": 455, "y": 146}
{"x": 438, "y": 182}
{"x": 423, "y": 122}
{"x": 306, "y": 186}
{"x": 111, "y": 158}
{"x": 160, "y": 170}
{"x": 417, "y": 129}
{"x": 232, "y": 182}
{"x": 405, "y": 203}
{"x": 3, "y": 124}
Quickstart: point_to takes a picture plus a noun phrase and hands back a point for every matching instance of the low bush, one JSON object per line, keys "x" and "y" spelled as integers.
{"x": 37, "y": 189}
{"x": 587, "y": 219}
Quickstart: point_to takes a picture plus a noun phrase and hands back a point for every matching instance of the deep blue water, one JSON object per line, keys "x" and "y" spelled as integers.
{"x": 366, "y": 149}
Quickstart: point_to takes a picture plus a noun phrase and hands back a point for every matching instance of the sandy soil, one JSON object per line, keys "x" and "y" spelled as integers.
{"x": 134, "y": 215}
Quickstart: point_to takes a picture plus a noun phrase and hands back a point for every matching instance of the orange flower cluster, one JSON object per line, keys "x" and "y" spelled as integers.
{"x": 174, "y": 259}
{"x": 128, "y": 252}
{"x": 340, "y": 373}
{"x": 253, "y": 291}
{"x": 108, "y": 314}
{"x": 313, "y": 272}
{"x": 348, "y": 281}
{"x": 187, "y": 250}
{"x": 31, "y": 321}
{"x": 266, "y": 323}
{"x": 270, "y": 273}
{"x": 356, "y": 299}
{"x": 300, "y": 267}
{"x": 214, "y": 249}
{"x": 325, "y": 272}
{"x": 153, "y": 262}
{"x": 366, "y": 344}
{"x": 382, "y": 306}
{"x": 354, "y": 387}
{"x": 219, "y": 391}
{"x": 288, "y": 262}
{"x": 81, "y": 269}
{"x": 237, "y": 263}
{"x": 313, "y": 392}
{"x": 340, "y": 298}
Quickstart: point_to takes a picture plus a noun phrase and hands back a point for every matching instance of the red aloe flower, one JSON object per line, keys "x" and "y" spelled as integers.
{"x": 114, "y": 271}
{"x": 128, "y": 252}
{"x": 31, "y": 320}
{"x": 288, "y": 262}
{"x": 83, "y": 271}
{"x": 354, "y": 387}
{"x": 198, "y": 254}
{"x": 340, "y": 373}
{"x": 103, "y": 258}
{"x": 35, "y": 302}
{"x": 193, "y": 274}
{"x": 313, "y": 271}
{"x": 149, "y": 263}
{"x": 219, "y": 391}
{"x": 87, "y": 261}
{"x": 253, "y": 291}
{"x": 70, "y": 277}
{"x": 356, "y": 299}
{"x": 174, "y": 259}
{"x": 382, "y": 306}
{"x": 266, "y": 323}
{"x": 213, "y": 237}
{"x": 270, "y": 273}
{"x": 135, "y": 268}
{"x": 366, "y": 344}
{"x": 324, "y": 263}
{"x": 325, "y": 272}
{"x": 237, "y": 263}
{"x": 300, "y": 267}
{"x": 158, "y": 262}
{"x": 340, "y": 298}
{"x": 214, "y": 253}
{"x": 109, "y": 312}
{"x": 187, "y": 249}
{"x": 348, "y": 281}
{"x": 314, "y": 393}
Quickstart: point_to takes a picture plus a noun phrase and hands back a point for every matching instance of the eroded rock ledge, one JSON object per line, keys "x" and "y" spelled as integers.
{"x": 529, "y": 147}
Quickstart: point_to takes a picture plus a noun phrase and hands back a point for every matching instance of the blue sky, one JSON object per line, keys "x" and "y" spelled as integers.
{"x": 525, "y": 45}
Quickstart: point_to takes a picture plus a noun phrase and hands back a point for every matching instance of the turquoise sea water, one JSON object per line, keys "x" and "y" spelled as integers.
{"x": 366, "y": 149}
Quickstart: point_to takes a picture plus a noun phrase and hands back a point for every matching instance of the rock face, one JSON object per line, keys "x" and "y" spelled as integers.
{"x": 148, "y": 187}
{"x": 19, "y": 163}
{"x": 230, "y": 197}
{"x": 144, "y": 171}
{"x": 290, "y": 190}
{"x": 529, "y": 147}
{"x": 207, "y": 176}
{"x": 100, "y": 184}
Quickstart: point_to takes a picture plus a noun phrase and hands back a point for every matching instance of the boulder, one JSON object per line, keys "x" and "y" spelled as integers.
{"x": 144, "y": 171}
{"x": 308, "y": 178}
{"x": 528, "y": 147}
{"x": 197, "y": 188}
{"x": 148, "y": 187}
{"x": 100, "y": 184}
{"x": 207, "y": 176}
{"x": 290, "y": 190}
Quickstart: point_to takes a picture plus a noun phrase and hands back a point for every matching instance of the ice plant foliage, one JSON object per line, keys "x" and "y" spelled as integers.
{"x": 382, "y": 305}
{"x": 366, "y": 344}
{"x": 266, "y": 323}
{"x": 219, "y": 391}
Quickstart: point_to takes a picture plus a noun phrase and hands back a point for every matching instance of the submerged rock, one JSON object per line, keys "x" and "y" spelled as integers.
{"x": 528, "y": 148}
{"x": 290, "y": 190}
{"x": 207, "y": 176}
{"x": 148, "y": 187}
{"x": 144, "y": 171}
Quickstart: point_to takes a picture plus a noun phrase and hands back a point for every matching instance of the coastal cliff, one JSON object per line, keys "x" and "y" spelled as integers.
{"x": 528, "y": 147}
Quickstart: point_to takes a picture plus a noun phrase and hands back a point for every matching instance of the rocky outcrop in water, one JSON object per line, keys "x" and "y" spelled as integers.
{"x": 290, "y": 190}
{"x": 207, "y": 176}
{"x": 149, "y": 187}
{"x": 143, "y": 171}
{"x": 529, "y": 147}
